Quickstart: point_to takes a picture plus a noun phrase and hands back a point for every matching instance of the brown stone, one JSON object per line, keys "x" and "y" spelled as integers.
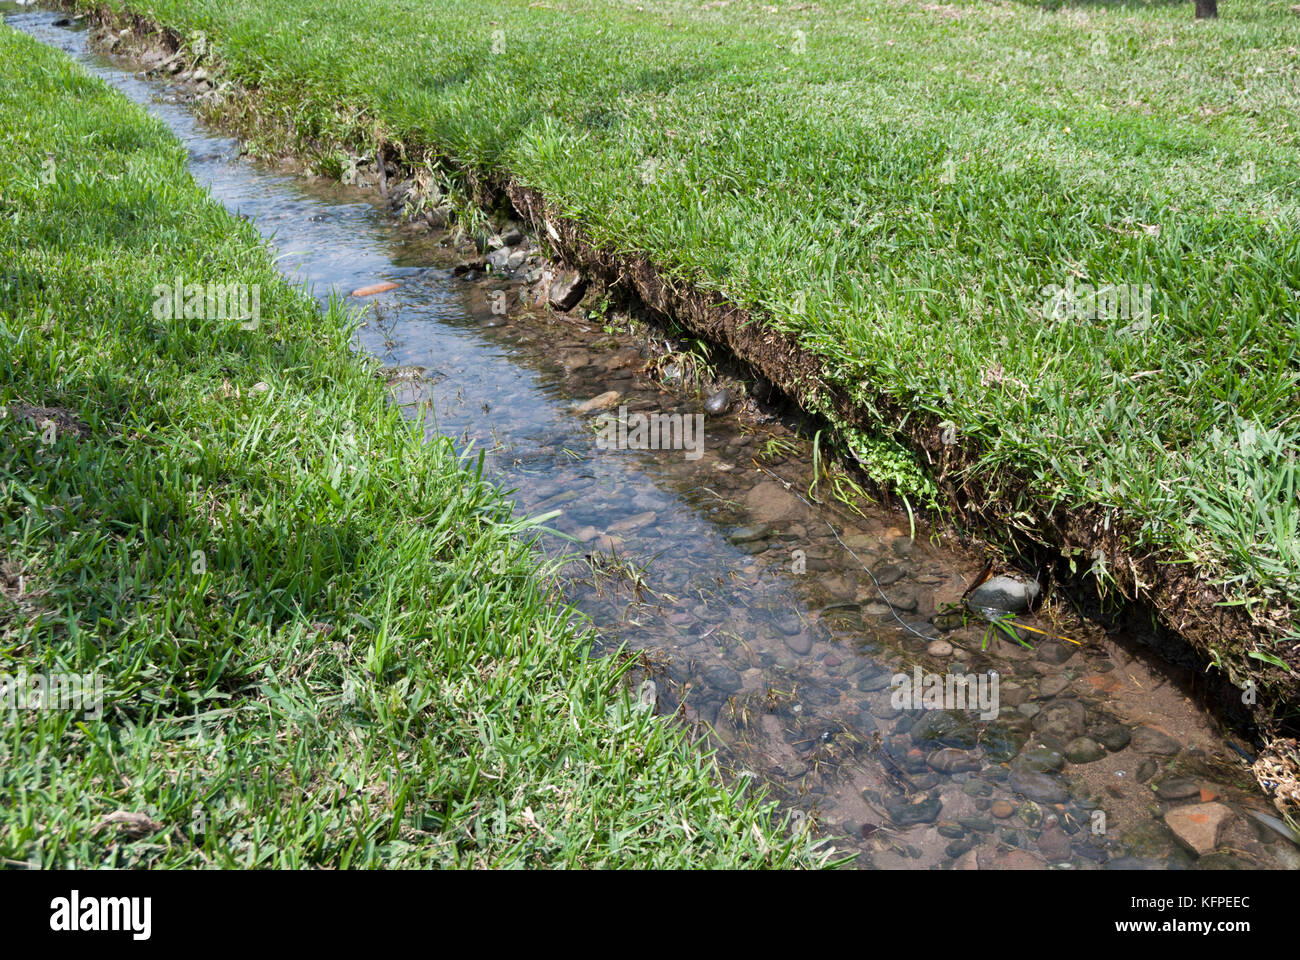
{"x": 1198, "y": 827}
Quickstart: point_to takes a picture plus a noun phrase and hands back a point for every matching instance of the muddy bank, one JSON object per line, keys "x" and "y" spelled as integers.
{"x": 780, "y": 634}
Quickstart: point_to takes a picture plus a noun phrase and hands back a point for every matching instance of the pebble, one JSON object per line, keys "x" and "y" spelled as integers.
{"x": 939, "y": 648}
{"x": 1004, "y": 593}
{"x": 1084, "y": 750}
{"x": 599, "y": 402}
{"x": 1002, "y": 809}
{"x": 567, "y": 290}
{"x": 718, "y": 403}
{"x": 1151, "y": 741}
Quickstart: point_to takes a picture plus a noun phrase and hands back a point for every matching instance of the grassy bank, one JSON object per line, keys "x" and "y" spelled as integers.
{"x": 320, "y": 640}
{"x": 921, "y": 195}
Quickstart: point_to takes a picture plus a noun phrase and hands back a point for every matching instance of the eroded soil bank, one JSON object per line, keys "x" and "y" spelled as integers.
{"x": 774, "y": 622}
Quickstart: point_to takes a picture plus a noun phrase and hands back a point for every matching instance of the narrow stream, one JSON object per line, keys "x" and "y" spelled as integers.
{"x": 763, "y": 627}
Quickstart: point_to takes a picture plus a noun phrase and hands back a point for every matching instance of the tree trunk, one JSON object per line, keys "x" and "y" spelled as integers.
{"x": 1207, "y": 9}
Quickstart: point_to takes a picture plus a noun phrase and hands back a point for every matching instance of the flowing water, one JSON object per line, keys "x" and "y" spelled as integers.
{"x": 761, "y": 624}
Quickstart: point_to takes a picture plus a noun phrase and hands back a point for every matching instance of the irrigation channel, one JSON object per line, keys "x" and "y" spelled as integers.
{"x": 753, "y": 604}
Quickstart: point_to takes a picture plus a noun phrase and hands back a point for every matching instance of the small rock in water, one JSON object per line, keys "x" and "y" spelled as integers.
{"x": 800, "y": 643}
{"x": 723, "y": 678}
{"x": 1154, "y": 742}
{"x": 886, "y": 574}
{"x": 756, "y": 531}
{"x": 952, "y": 760}
{"x": 925, "y": 810}
{"x": 1054, "y": 844}
{"x": 718, "y": 403}
{"x": 1198, "y": 827}
{"x": 599, "y": 402}
{"x": 1054, "y": 652}
{"x": 1039, "y": 760}
{"x": 1002, "y": 809}
{"x": 567, "y": 290}
{"x": 1177, "y": 788}
{"x": 939, "y": 648}
{"x": 1084, "y": 750}
{"x": 1037, "y": 786}
{"x": 1112, "y": 736}
{"x": 789, "y": 624}
{"x": 1004, "y": 593}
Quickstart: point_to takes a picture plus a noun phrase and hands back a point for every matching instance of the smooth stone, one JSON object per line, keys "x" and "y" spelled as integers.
{"x": 887, "y": 573}
{"x": 1054, "y": 844}
{"x": 723, "y": 678}
{"x": 1054, "y": 652}
{"x": 1199, "y": 827}
{"x": 718, "y": 403}
{"x": 924, "y": 810}
{"x": 747, "y": 534}
{"x": 950, "y": 830}
{"x": 800, "y": 644}
{"x": 599, "y": 402}
{"x": 1037, "y": 786}
{"x": 1084, "y": 750}
{"x": 567, "y": 290}
{"x": 952, "y": 760}
{"x": 1062, "y": 720}
{"x": 1113, "y": 736}
{"x": 1177, "y": 788}
{"x": 1039, "y": 760}
{"x": 1051, "y": 686}
{"x": 939, "y": 648}
{"x": 976, "y": 824}
{"x": 1004, "y": 593}
{"x": 1151, "y": 741}
{"x": 1002, "y": 809}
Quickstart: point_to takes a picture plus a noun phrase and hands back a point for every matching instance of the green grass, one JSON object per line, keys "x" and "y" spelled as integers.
{"x": 322, "y": 641}
{"x": 897, "y": 184}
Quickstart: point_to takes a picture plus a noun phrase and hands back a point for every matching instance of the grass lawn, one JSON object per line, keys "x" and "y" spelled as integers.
{"x": 907, "y": 188}
{"x": 321, "y": 641}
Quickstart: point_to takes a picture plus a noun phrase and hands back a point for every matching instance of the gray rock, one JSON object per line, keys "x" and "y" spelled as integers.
{"x": 1084, "y": 750}
{"x": 925, "y": 810}
{"x": 887, "y": 573}
{"x": 1004, "y": 593}
{"x": 755, "y": 531}
{"x": 1061, "y": 720}
{"x": 1146, "y": 770}
{"x": 1112, "y": 736}
{"x": 1037, "y": 786}
{"x": 718, "y": 403}
{"x": 1051, "y": 686}
{"x": 1151, "y": 741}
{"x": 800, "y": 643}
{"x": 952, "y": 760}
{"x": 1177, "y": 788}
{"x": 723, "y": 678}
{"x": 567, "y": 290}
{"x": 1039, "y": 759}
{"x": 1054, "y": 652}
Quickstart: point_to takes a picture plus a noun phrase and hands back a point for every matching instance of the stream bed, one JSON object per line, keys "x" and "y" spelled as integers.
{"x": 760, "y": 623}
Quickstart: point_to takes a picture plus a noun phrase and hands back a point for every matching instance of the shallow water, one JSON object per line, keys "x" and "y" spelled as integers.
{"x": 764, "y": 628}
